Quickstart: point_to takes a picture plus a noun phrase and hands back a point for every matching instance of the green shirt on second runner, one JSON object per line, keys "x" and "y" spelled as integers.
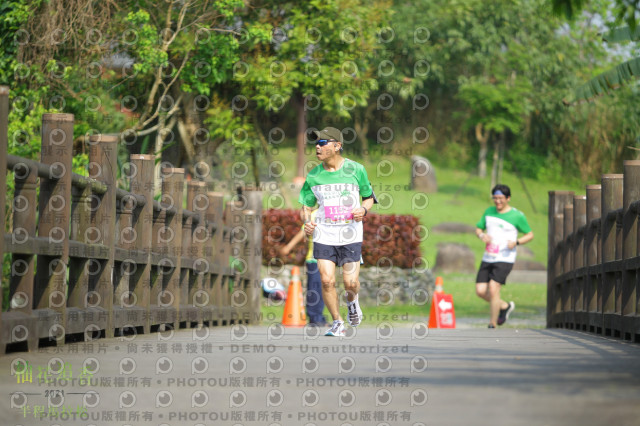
{"x": 502, "y": 228}
{"x": 337, "y": 194}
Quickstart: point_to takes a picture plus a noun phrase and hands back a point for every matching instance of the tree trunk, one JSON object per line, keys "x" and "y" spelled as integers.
{"x": 157, "y": 151}
{"x": 301, "y": 137}
{"x": 483, "y": 138}
{"x": 254, "y": 166}
{"x": 187, "y": 141}
{"x": 263, "y": 141}
{"x": 361, "y": 125}
{"x": 494, "y": 166}
{"x": 503, "y": 136}
{"x": 189, "y": 122}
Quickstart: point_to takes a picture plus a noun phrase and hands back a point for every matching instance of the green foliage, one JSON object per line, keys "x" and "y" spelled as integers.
{"x": 320, "y": 49}
{"x": 615, "y": 77}
{"x": 606, "y": 82}
{"x": 505, "y": 65}
{"x": 230, "y": 126}
{"x": 623, "y": 10}
{"x": 622, "y": 35}
{"x": 13, "y": 15}
{"x": 527, "y": 162}
{"x": 147, "y": 48}
{"x": 499, "y": 107}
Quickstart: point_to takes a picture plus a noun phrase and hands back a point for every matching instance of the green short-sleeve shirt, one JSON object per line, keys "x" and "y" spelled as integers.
{"x": 337, "y": 194}
{"x": 502, "y": 228}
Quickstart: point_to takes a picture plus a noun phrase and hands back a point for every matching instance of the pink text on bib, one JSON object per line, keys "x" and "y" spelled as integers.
{"x": 338, "y": 213}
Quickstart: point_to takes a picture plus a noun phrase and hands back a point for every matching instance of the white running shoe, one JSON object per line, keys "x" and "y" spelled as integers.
{"x": 504, "y": 313}
{"x": 355, "y": 313}
{"x": 336, "y": 330}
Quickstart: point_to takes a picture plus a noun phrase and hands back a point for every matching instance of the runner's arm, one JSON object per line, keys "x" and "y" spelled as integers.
{"x": 285, "y": 250}
{"x": 525, "y": 238}
{"x": 305, "y": 213}
{"x": 483, "y": 236}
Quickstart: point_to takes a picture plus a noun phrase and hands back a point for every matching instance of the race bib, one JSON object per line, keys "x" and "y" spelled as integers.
{"x": 338, "y": 213}
{"x": 493, "y": 249}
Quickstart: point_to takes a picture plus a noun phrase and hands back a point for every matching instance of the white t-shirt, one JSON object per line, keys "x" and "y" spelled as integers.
{"x": 337, "y": 194}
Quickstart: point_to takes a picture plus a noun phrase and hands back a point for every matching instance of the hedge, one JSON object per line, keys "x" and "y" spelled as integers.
{"x": 389, "y": 240}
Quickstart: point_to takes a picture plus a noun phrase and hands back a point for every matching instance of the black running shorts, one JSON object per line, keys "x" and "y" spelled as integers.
{"x": 496, "y": 271}
{"x": 338, "y": 254}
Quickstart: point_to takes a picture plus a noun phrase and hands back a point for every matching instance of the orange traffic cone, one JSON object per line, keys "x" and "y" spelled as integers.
{"x": 442, "y": 314}
{"x": 294, "y": 313}
{"x": 439, "y": 288}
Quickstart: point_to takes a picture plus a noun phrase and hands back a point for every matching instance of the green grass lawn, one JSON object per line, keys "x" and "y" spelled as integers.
{"x": 450, "y": 204}
{"x": 530, "y": 299}
{"x": 390, "y": 176}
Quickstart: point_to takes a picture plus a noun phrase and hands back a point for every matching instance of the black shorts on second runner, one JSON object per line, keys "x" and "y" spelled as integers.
{"x": 338, "y": 254}
{"x": 496, "y": 271}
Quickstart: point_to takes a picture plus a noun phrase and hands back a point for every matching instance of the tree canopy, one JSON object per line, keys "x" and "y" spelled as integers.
{"x": 185, "y": 79}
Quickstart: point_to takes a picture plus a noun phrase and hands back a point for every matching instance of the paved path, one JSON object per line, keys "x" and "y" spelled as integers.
{"x": 273, "y": 376}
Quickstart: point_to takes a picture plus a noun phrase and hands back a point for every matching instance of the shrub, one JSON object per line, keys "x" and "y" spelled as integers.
{"x": 389, "y": 240}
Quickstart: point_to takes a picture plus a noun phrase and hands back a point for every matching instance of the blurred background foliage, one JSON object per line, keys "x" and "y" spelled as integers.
{"x": 188, "y": 80}
{"x": 470, "y": 84}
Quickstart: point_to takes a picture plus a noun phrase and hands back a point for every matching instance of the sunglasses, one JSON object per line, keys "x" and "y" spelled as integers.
{"x": 323, "y": 142}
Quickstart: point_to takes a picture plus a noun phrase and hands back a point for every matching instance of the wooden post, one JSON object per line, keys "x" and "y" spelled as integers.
{"x": 159, "y": 249}
{"x": 103, "y": 167}
{"x": 241, "y": 251}
{"x": 214, "y": 216}
{"x": 126, "y": 316}
{"x": 558, "y": 267}
{"x": 54, "y": 217}
{"x": 198, "y": 202}
{"x": 187, "y": 312}
{"x": 567, "y": 224}
{"x": 126, "y": 241}
{"x": 78, "y": 262}
{"x": 557, "y": 201}
{"x": 224, "y": 261}
{"x": 593, "y": 255}
{"x": 254, "y": 259}
{"x": 611, "y": 201}
{"x": 21, "y": 295}
{"x": 567, "y": 259}
{"x": 255, "y": 237}
{"x": 24, "y": 225}
{"x": 626, "y": 298}
{"x": 592, "y": 243}
{"x": 142, "y": 184}
{"x": 4, "y": 126}
{"x": 579, "y": 223}
{"x": 172, "y": 190}
{"x": 233, "y": 209}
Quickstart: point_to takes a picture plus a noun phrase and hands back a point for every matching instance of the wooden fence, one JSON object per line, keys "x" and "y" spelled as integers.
{"x": 92, "y": 260}
{"x": 594, "y": 257}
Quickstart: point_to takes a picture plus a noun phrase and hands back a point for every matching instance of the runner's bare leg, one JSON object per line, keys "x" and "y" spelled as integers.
{"x": 328, "y": 277}
{"x": 350, "y": 273}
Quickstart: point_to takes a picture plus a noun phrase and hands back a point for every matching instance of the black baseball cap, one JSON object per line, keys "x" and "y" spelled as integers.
{"x": 326, "y": 133}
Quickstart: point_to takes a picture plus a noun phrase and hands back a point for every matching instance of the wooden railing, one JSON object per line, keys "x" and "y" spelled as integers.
{"x": 594, "y": 257}
{"x": 91, "y": 260}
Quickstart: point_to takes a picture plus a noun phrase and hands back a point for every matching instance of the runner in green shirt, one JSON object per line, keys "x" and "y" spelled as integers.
{"x": 337, "y": 185}
{"x": 498, "y": 229}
